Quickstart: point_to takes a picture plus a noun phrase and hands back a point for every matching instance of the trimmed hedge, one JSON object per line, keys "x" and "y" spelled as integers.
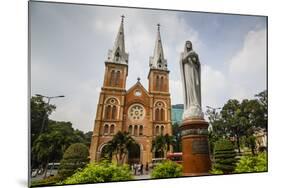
{"x": 225, "y": 157}
{"x": 75, "y": 157}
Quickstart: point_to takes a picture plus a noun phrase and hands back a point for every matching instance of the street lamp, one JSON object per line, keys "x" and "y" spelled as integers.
{"x": 213, "y": 108}
{"x": 215, "y": 114}
{"x": 45, "y": 115}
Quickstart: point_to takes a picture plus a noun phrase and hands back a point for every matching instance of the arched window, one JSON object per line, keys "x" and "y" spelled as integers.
{"x": 130, "y": 129}
{"x": 107, "y": 112}
{"x": 135, "y": 130}
{"x": 159, "y": 111}
{"x": 112, "y": 77}
{"x": 111, "y": 107}
{"x": 113, "y": 114}
{"x": 105, "y": 129}
{"x": 162, "y": 114}
{"x": 117, "y": 78}
{"x": 141, "y": 130}
{"x": 112, "y": 129}
{"x": 157, "y": 130}
{"x": 157, "y": 114}
{"x": 162, "y": 83}
{"x": 162, "y": 130}
{"x": 157, "y": 83}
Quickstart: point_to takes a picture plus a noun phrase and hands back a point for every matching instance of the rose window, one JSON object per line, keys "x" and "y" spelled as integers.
{"x": 136, "y": 112}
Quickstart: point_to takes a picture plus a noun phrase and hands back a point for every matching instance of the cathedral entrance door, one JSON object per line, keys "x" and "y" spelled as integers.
{"x": 134, "y": 154}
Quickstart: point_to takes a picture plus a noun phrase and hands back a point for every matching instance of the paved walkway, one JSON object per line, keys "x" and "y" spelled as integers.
{"x": 142, "y": 177}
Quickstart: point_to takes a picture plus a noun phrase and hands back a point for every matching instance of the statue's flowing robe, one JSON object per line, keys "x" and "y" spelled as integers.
{"x": 191, "y": 78}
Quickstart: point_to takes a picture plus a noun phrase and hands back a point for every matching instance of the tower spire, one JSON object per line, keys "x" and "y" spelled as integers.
{"x": 157, "y": 61}
{"x": 118, "y": 53}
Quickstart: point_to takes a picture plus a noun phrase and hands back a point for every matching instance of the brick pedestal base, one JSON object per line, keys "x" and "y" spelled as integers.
{"x": 195, "y": 147}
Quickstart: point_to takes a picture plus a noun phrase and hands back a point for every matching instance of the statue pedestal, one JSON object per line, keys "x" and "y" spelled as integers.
{"x": 195, "y": 147}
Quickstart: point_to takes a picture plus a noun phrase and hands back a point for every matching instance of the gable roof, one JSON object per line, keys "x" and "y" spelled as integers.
{"x": 138, "y": 85}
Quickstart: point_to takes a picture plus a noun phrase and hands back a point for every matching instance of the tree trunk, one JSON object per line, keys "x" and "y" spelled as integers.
{"x": 46, "y": 169}
{"x": 238, "y": 143}
{"x": 253, "y": 150}
{"x": 119, "y": 160}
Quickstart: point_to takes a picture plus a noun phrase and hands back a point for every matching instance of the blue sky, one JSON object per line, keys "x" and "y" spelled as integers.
{"x": 69, "y": 44}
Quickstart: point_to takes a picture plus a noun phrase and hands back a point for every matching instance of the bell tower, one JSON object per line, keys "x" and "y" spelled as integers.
{"x": 116, "y": 64}
{"x": 158, "y": 74}
{"x": 110, "y": 107}
{"x": 158, "y": 89}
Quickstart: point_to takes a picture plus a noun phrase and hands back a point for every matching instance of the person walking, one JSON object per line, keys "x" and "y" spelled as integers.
{"x": 146, "y": 168}
{"x": 139, "y": 166}
{"x": 141, "y": 169}
{"x": 135, "y": 169}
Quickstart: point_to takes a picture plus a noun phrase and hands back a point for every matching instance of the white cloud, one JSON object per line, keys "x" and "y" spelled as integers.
{"x": 213, "y": 85}
{"x": 176, "y": 91}
{"x": 247, "y": 69}
{"x": 74, "y": 66}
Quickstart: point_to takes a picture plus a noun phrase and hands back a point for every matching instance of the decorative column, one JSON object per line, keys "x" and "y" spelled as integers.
{"x": 195, "y": 147}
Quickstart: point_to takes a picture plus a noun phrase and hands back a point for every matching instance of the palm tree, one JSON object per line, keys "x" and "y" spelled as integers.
{"x": 119, "y": 146}
{"x": 162, "y": 143}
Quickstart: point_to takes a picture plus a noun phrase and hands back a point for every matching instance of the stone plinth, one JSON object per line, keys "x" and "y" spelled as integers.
{"x": 195, "y": 147}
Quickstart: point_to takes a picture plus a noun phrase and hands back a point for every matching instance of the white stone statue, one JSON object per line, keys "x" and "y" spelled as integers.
{"x": 191, "y": 82}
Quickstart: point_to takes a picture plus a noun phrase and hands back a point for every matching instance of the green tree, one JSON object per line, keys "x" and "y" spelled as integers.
{"x": 39, "y": 110}
{"x": 263, "y": 100}
{"x": 88, "y": 138}
{"x": 252, "y": 163}
{"x": 75, "y": 157}
{"x": 161, "y": 144}
{"x": 233, "y": 121}
{"x": 239, "y": 120}
{"x": 119, "y": 146}
{"x": 167, "y": 169}
{"x": 102, "y": 172}
{"x": 224, "y": 156}
{"x": 50, "y": 145}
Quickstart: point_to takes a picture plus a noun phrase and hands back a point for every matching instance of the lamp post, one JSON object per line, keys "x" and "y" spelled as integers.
{"x": 215, "y": 115}
{"x": 45, "y": 115}
{"x": 213, "y": 110}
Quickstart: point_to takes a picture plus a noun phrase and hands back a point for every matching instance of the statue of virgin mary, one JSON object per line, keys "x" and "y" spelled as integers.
{"x": 191, "y": 82}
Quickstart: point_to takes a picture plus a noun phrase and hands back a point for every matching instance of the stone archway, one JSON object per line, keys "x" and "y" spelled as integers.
{"x": 103, "y": 154}
{"x": 134, "y": 154}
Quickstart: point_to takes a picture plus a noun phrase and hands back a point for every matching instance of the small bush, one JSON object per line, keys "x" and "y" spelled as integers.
{"x": 75, "y": 157}
{"x": 224, "y": 155}
{"x": 216, "y": 171}
{"x": 102, "y": 172}
{"x": 252, "y": 163}
{"x": 167, "y": 169}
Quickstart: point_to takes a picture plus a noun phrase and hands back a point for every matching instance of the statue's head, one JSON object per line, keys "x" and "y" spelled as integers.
{"x": 188, "y": 45}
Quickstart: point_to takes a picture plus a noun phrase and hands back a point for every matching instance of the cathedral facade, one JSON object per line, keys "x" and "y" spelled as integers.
{"x": 141, "y": 112}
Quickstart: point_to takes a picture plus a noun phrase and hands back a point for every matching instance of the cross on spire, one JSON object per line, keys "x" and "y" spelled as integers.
{"x": 122, "y": 18}
{"x": 138, "y": 79}
{"x": 158, "y": 26}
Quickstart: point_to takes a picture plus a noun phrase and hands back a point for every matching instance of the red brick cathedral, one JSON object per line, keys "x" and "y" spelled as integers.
{"x": 143, "y": 113}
